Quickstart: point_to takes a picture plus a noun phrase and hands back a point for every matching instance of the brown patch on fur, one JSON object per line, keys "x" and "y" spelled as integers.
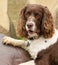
{"x": 48, "y": 56}
{"x": 47, "y": 23}
{"x": 21, "y": 31}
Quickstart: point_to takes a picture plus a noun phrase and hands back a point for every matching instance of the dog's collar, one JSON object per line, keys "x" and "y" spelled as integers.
{"x": 31, "y": 38}
{"x": 28, "y": 44}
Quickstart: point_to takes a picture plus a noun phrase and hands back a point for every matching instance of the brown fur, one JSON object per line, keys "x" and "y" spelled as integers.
{"x": 48, "y": 56}
{"x": 46, "y": 26}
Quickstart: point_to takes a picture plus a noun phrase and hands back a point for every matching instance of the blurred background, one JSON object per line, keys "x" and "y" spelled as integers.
{"x": 10, "y": 9}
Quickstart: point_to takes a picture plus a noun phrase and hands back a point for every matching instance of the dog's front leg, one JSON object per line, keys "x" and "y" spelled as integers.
{"x": 31, "y": 62}
{"x": 14, "y": 42}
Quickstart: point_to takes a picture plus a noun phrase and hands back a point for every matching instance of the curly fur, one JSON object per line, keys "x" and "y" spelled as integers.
{"x": 46, "y": 25}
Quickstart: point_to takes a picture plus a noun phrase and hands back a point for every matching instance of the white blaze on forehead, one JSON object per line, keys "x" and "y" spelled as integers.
{"x": 31, "y": 22}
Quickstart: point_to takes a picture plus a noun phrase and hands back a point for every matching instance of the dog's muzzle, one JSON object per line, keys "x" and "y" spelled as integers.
{"x": 30, "y": 25}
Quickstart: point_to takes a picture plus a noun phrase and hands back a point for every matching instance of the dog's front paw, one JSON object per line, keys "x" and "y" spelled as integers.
{"x": 6, "y": 40}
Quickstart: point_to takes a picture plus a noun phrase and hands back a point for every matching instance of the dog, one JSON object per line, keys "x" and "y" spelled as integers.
{"x": 36, "y": 26}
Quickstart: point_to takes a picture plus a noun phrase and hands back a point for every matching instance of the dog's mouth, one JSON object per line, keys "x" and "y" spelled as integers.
{"x": 30, "y": 31}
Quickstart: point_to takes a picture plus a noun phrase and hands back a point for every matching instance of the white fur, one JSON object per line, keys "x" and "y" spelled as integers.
{"x": 33, "y": 28}
{"x": 28, "y": 63}
{"x": 30, "y": 22}
{"x": 40, "y": 44}
{"x": 12, "y": 41}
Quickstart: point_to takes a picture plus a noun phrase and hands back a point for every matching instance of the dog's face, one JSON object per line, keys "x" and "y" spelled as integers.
{"x": 33, "y": 15}
{"x": 36, "y": 20}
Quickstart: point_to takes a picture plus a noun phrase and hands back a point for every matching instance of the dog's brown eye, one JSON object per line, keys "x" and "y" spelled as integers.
{"x": 28, "y": 13}
{"x": 36, "y": 14}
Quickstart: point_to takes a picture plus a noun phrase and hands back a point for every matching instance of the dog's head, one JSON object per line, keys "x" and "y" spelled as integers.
{"x": 36, "y": 20}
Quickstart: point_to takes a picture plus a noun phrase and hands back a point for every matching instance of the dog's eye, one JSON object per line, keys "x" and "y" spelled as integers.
{"x": 28, "y": 13}
{"x": 36, "y": 14}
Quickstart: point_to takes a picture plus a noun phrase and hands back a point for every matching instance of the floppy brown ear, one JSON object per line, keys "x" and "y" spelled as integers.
{"x": 21, "y": 24}
{"x": 47, "y": 23}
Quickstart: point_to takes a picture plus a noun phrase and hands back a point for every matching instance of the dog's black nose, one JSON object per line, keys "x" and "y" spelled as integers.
{"x": 29, "y": 25}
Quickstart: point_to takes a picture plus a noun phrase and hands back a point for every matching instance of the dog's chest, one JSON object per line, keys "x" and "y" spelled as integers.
{"x": 35, "y": 47}
{"x": 38, "y": 45}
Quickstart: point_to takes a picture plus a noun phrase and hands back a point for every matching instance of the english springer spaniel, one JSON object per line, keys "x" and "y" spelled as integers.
{"x": 36, "y": 26}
